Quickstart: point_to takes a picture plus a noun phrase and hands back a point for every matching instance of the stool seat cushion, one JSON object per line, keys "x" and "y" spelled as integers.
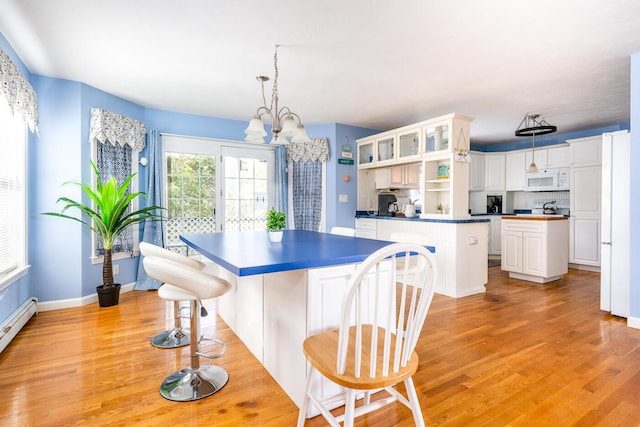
{"x": 174, "y": 293}
{"x": 200, "y": 283}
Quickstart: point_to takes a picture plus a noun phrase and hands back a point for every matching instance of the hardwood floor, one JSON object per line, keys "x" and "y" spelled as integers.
{"x": 521, "y": 354}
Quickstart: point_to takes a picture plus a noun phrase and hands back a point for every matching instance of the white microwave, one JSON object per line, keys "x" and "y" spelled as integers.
{"x": 556, "y": 179}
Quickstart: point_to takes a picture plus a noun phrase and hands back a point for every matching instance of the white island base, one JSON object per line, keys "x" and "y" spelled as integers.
{"x": 274, "y": 313}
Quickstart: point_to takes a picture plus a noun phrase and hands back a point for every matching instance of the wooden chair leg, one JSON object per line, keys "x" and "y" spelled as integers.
{"x": 304, "y": 409}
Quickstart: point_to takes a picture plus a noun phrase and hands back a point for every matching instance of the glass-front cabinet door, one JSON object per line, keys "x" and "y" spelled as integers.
{"x": 409, "y": 144}
{"x": 365, "y": 153}
{"x": 386, "y": 149}
{"x": 436, "y": 137}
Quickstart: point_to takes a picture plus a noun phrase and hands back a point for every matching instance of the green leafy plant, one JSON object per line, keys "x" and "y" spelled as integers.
{"x": 276, "y": 220}
{"x": 439, "y": 206}
{"x": 110, "y": 218}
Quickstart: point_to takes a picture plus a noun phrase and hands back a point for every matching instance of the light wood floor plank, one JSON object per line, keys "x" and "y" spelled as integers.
{"x": 521, "y": 354}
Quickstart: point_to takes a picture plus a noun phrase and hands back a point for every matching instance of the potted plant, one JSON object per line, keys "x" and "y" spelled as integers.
{"x": 276, "y": 222}
{"x": 439, "y": 208}
{"x": 108, "y": 220}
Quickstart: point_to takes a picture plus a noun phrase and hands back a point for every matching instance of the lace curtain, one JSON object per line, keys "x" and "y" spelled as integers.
{"x": 116, "y": 129}
{"x": 116, "y": 138}
{"x": 18, "y": 92}
{"x": 306, "y": 160}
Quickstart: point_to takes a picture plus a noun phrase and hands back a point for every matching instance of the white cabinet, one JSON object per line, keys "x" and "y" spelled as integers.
{"x": 535, "y": 249}
{"x": 445, "y": 187}
{"x": 546, "y": 158}
{"x": 401, "y": 176}
{"x": 366, "y": 153}
{"x": 386, "y": 149}
{"x": 405, "y": 176}
{"x": 476, "y": 172}
{"x": 558, "y": 157}
{"x": 366, "y": 228}
{"x": 585, "y": 198}
{"x": 514, "y": 170}
{"x": 537, "y": 156}
{"x": 494, "y": 172}
{"x": 585, "y": 151}
{"x": 409, "y": 145}
{"x": 495, "y": 245}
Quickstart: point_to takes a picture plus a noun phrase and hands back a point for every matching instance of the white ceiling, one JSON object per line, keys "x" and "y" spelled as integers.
{"x": 376, "y": 64}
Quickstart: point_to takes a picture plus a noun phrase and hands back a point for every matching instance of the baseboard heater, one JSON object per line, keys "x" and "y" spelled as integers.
{"x": 14, "y": 323}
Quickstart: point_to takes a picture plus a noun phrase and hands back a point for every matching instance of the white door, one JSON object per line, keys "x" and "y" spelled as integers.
{"x": 248, "y": 188}
{"x": 196, "y": 186}
{"x": 585, "y": 194}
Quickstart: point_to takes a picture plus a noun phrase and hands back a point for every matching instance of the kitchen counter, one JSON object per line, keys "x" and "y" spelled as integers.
{"x": 418, "y": 219}
{"x": 536, "y": 217}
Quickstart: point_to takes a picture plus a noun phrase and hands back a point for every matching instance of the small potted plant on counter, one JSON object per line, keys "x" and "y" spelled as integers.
{"x": 276, "y": 222}
{"x": 109, "y": 219}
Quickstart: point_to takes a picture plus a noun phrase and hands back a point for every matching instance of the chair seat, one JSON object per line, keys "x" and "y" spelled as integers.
{"x": 321, "y": 352}
{"x": 174, "y": 293}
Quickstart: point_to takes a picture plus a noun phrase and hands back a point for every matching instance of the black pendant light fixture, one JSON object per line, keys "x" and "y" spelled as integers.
{"x": 531, "y": 126}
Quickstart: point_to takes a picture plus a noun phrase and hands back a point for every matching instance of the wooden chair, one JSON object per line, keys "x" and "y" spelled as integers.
{"x": 344, "y": 231}
{"x": 373, "y": 350}
{"x": 176, "y": 336}
{"x": 414, "y": 263}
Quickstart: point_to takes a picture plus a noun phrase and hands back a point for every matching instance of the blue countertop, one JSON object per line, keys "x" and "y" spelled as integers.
{"x": 250, "y": 252}
{"x": 418, "y": 219}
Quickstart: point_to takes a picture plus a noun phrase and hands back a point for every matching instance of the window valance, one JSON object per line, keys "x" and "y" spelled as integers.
{"x": 19, "y": 93}
{"x": 317, "y": 149}
{"x": 107, "y": 126}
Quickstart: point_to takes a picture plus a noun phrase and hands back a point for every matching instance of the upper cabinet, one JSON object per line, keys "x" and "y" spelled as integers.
{"x": 547, "y": 158}
{"x": 585, "y": 151}
{"x": 476, "y": 172}
{"x": 494, "y": 172}
{"x": 409, "y": 144}
{"x": 515, "y": 166}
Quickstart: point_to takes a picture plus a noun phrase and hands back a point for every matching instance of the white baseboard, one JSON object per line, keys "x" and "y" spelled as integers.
{"x": 77, "y": 302}
{"x": 633, "y": 322}
{"x": 594, "y": 268}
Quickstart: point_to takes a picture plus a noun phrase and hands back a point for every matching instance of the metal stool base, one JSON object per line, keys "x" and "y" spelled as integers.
{"x": 173, "y": 338}
{"x": 190, "y": 384}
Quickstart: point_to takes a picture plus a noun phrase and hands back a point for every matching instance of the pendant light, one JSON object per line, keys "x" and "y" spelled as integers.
{"x": 531, "y": 126}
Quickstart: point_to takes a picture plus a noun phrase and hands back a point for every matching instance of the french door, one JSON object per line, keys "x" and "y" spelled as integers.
{"x": 213, "y": 186}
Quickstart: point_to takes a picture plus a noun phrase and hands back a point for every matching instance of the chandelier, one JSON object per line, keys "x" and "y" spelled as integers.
{"x": 531, "y": 126}
{"x": 284, "y": 122}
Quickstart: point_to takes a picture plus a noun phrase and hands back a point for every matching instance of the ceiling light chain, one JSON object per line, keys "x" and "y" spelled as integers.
{"x": 284, "y": 122}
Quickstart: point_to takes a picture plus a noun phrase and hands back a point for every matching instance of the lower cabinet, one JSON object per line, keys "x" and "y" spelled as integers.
{"x": 366, "y": 228}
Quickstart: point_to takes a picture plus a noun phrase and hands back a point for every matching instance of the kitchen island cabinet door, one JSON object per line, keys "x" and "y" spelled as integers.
{"x": 533, "y": 254}
{"x": 512, "y": 256}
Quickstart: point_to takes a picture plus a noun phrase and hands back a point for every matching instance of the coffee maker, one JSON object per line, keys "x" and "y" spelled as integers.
{"x": 387, "y": 204}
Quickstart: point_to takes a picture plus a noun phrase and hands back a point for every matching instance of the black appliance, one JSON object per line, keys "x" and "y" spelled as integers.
{"x": 387, "y": 204}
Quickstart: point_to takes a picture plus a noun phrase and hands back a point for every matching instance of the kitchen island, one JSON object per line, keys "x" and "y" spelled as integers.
{"x": 283, "y": 292}
{"x": 535, "y": 247}
{"x": 462, "y": 247}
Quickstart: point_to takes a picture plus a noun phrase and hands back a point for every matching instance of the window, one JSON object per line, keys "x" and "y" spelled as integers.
{"x": 13, "y": 134}
{"x": 118, "y": 161}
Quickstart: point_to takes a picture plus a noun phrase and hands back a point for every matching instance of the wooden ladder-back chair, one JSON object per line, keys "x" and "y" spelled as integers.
{"x": 374, "y": 349}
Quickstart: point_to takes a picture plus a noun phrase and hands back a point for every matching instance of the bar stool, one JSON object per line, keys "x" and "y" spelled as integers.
{"x": 176, "y": 336}
{"x": 196, "y": 381}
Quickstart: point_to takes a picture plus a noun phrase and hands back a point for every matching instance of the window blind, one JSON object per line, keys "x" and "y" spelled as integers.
{"x": 12, "y": 189}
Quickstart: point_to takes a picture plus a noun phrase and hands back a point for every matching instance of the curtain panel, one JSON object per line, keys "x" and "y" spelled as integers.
{"x": 18, "y": 91}
{"x": 306, "y": 160}
{"x": 116, "y": 129}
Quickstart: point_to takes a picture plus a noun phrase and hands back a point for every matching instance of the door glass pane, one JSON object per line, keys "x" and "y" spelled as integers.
{"x": 246, "y": 193}
{"x": 191, "y": 203}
